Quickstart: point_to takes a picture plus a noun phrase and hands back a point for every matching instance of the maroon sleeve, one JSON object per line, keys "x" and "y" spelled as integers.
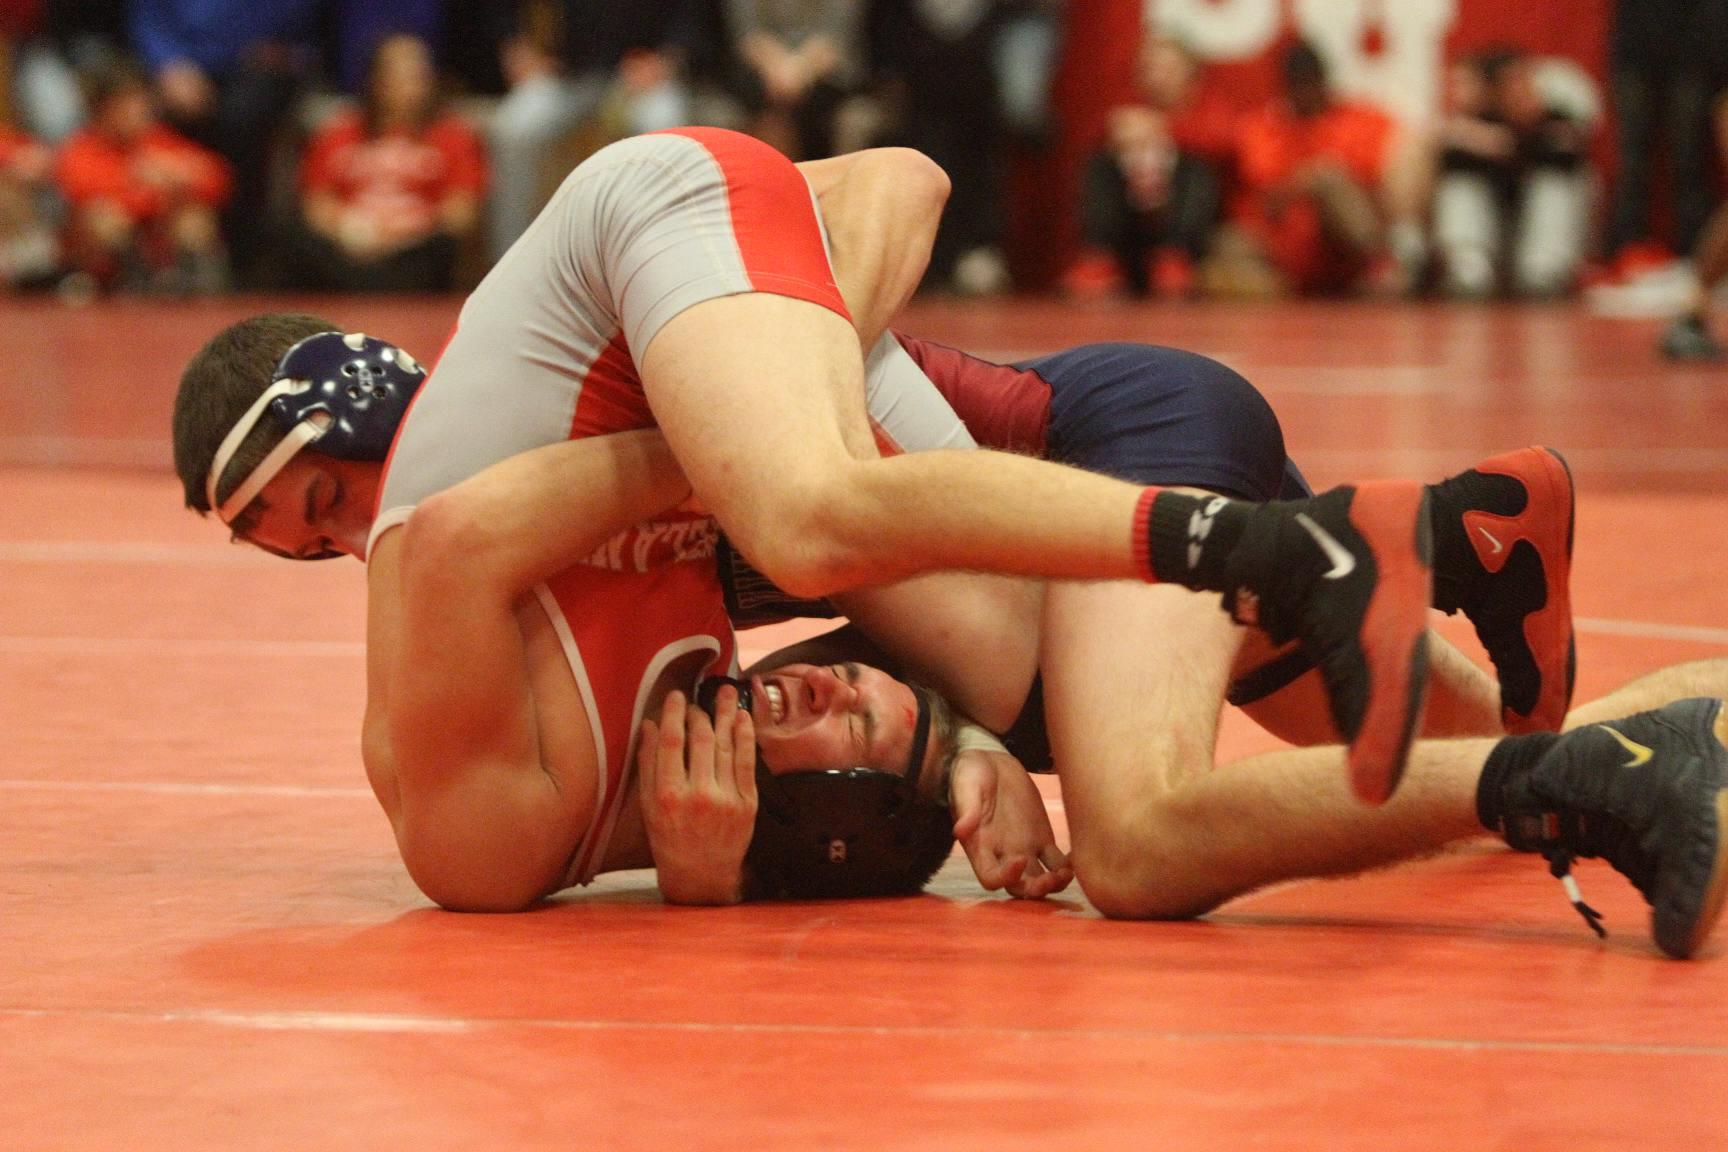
{"x": 1003, "y": 407}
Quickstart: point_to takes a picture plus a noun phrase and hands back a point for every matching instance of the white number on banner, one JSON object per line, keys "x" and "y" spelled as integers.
{"x": 1388, "y": 51}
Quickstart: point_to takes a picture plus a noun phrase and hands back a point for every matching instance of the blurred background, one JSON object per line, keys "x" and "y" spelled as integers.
{"x": 1103, "y": 150}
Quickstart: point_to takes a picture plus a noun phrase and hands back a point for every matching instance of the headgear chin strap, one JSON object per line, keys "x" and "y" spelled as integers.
{"x": 345, "y": 392}
{"x": 845, "y": 831}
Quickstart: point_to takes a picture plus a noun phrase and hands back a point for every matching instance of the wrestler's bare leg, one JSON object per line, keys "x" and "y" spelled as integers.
{"x": 1653, "y": 690}
{"x": 1134, "y": 678}
{"x": 786, "y": 464}
{"x": 1463, "y": 699}
{"x": 945, "y": 626}
{"x": 1157, "y": 832}
{"x": 972, "y": 637}
{"x": 1289, "y": 814}
{"x": 881, "y": 208}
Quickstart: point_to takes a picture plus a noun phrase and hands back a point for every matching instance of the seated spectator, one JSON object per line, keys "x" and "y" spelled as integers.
{"x": 1151, "y": 194}
{"x": 228, "y": 73}
{"x": 29, "y": 253}
{"x": 1318, "y": 180}
{"x": 1023, "y": 56}
{"x": 55, "y": 40}
{"x": 142, "y": 198}
{"x": 388, "y": 190}
{"x": 1659, "y": 87}
{"x": 936, "y": 59}
{"x": 1512, "y": 162}
{"x": 629, "y": 55}
{"x": 1688, "y": 337}
{"x": 798, "y": 60}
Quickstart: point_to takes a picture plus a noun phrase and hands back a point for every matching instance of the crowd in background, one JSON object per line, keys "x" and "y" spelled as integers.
{"x": 186, "y": 146}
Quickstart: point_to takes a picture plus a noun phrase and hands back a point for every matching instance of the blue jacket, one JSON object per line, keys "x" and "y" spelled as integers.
{"x": 214, "y": 34}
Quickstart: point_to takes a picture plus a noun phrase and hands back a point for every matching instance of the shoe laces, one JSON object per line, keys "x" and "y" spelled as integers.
{"x": 1560, "y": 867}
{"x": 1567, "y": 836}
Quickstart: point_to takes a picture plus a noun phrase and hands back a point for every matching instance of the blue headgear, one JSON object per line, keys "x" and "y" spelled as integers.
{"x": 845, "y": 831}
{"x": 345, "y": 392}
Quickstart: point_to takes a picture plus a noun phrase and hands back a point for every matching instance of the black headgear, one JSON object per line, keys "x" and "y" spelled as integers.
{"x": 845, "y": 831}
{"x": 344, "y": 392}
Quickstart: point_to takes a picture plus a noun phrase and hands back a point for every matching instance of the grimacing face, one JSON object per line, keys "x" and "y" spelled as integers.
{"x": 815, "y": 717}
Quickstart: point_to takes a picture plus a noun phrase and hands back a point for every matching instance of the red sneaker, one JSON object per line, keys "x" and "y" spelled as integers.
{"x": 1094, "y": 275}
{"x": 1503, "y": 555}
{"x": 1640, "y": 257}
{"x": 1170, "y": 274}
{"x": 1347, "y": 573}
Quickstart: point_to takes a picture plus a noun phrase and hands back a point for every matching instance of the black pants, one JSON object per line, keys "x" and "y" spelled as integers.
{"x": 1642, "y": 95}
{"x": 251, "y": 104}
{"x": 1111, "y": 221}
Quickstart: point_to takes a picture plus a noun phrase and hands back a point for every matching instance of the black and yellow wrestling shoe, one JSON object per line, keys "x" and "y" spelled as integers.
{"x": 1648, "y": 794}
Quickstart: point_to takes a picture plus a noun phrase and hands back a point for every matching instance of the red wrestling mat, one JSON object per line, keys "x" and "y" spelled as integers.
{"x": 206, "y": 940}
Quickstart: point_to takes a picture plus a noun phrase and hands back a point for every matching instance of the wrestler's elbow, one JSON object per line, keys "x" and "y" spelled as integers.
{"x": 468, "y": 888}
{"x": 463, "y": 864}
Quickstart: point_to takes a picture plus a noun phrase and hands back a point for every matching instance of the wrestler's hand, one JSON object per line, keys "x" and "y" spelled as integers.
{"x": 698, "y": 786}
{"x": 1001, "y": 822}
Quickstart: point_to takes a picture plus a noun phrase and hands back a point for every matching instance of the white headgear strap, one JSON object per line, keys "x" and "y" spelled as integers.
{"x": 298, "y": 437}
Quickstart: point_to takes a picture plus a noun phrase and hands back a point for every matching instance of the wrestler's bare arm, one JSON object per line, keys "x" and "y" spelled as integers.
{"x": 881, "y": 208}
{"x": 453, "y": 745}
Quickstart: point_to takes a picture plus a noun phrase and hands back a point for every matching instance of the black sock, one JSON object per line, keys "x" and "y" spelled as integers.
{"x": 1188, "y": 537}
{"x": 1512, "y": 757}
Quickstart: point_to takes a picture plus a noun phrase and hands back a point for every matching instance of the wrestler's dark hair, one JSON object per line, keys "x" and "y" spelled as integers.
{"x": 925, "y": 855}
{"x": 223, "y": 380}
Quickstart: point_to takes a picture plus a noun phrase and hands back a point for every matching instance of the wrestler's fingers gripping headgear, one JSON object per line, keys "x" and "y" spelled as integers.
{"x": 344, "y": 392}
{"x": 842, "y": 832}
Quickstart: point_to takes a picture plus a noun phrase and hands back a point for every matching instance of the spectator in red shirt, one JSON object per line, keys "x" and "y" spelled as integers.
{"x": 143, "y": 198}
{"x": 389, "y": 190}
{"x": 1317, "y": 177}
{"x": 1151, "y": 193}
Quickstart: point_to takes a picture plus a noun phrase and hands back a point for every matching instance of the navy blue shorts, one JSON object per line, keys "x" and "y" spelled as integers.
{"x": 1157, "y": 416}
{"x": 1164, "y": 416}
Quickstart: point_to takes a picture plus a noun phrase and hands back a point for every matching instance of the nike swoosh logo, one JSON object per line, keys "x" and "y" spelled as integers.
{"x": 1498, "y": 547}
{"x": 1342, "y": 562}
{"x": 1640, "y": 754}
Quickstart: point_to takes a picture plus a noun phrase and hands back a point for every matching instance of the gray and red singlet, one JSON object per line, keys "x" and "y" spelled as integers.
{"x": 545, "y": 351}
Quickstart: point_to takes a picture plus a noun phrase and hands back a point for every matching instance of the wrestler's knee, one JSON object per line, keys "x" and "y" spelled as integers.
{"x": 1148, "y": 886}
{"x": 1138, "y": 870}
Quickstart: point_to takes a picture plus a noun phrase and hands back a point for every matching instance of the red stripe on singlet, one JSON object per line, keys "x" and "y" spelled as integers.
{"x": 611, "y": 399}
{"x": 773, "y": 218}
